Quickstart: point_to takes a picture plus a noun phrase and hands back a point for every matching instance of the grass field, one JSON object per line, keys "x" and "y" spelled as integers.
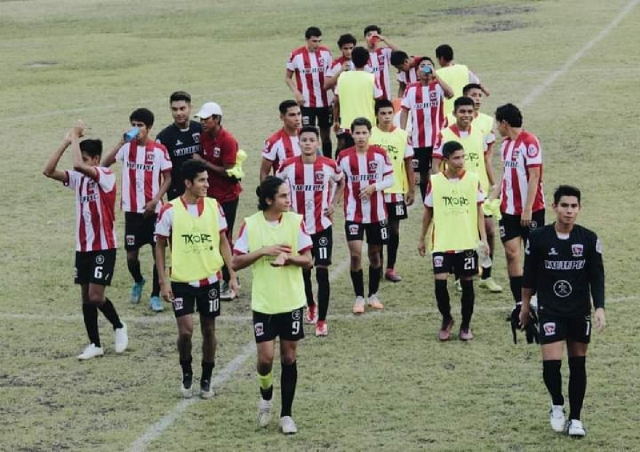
{"x": 379, "y": 382}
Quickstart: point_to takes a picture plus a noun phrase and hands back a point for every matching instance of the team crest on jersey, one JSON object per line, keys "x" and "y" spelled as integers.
{"x": 353, "y": 229}
{"x": 549, "y": 328}
{"x": 577, "y": 249}
{"x": 553, "y": 252}
{"x": 178, "y": 143}
{"x": 309, "y": 204}
{"x": 515, "y": 155}
{"x": 213, "y": 294}
{"x": 319, "y": 176}
{"x": 216, "y": 152}
{"x": 562, "y": 288}
{"x": 532, "y": 151}
{"x": 438, "y": 261}
{"x": 150, "y": 157}
{"x": 178, "y": 304}
{"x": 196, "y": 137}
{"x": 259, "y": 329}
{"x": 99, "y": 259}
{"x": 320, "y": 61}
{"x": 297, "y": 314}
{"x": 373, "y": 166}
{"x": 433, "y": 96}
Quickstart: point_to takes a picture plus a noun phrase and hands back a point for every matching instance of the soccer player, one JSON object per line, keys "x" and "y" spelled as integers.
{"x": 182, "y": 139}
{"x": 407, "y": 69}
{"x": 478, "y": 160}
{"x": 379, "y": 57}
{"x": 316, "y": 184}
{"x": 95, "y": 193}
{"x": 219, "y": 152}
{"x": 355, "y": 97}
{"x": 368, "y": 173}
{"x": 425, "y": 101}
{"x": 346, "y": 44}
{"x": 309, "y": 65}
{"x": 454, "y": 205}
{"x": 457, "y": 76}
{"x": 283, "y": 144}
{"x": 522, "y": 198}
{"x": 563, "y": 264}
{"x": 195, "y": 228}
{"x": 394, "y": 140}
{"x": 144, "y": 164}
{"x": 274, "y": 243}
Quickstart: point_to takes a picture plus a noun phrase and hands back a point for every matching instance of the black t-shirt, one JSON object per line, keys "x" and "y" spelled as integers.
{"x": 181, "y": 145}
{"x": 566, "y": 273}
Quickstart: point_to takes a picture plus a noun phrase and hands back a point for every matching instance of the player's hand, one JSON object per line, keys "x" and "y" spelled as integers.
{"x": 367, "y": 191}
{"x": 601, "y": 322}
{"x": 299, "y": 98}
{"x": 233, "y": 284}
{"x": 524, "y": 316}
{"x": 525, "y": 218}
{"x": 150, "y": 208}
{"x": 484, "y": 248}
{"x": 381, "y": 38}
{"x": 422, "y": 248}
{"x": 276, "y": 250}
{"x": 411, "y": 196}
{"x": 486, "y": 91}
{"x": 78, "y": 129}
{"x": 336, "y": 127}
{"x": 328, "y": 212}
{"x": 281, "y": 260}
{"x": 167, "y": 293}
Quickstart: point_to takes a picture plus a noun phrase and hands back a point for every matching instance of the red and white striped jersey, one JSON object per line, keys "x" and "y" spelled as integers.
{"x": 426, "y": 104}
{"x": 378, "y": 65}
{"x": 279, "y": 147}
{"x": 336, "y": 66}
{"x": 517, "y": 157}
{"x": 410, "y": 76}
{"x": 141, "y": 168}
{"x": 95, "y": 209}
{"x": 361, "y": 170}
{"x": 311, "y": 188}
{"x": 309, "y": 69}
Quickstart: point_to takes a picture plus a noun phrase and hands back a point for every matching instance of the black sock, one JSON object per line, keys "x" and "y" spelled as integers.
{"x": 134, "y": 268}
{"x": 577, "y": 385}
{"x": 267, "y": 394}
{"x": 375, "y": 274}
{"x": 155, "y": 290}
{"x": 357, "y": 279}
{"x": 207, "y": 368}
{"x": 515, "y": 282}
{"x": 288, "y": 381}
{"x": 186, "y": 367}
{"x": 486, "y": 271}
{"x": 326, "y": 148}
{"x": 308, "y": 288}
{"x": 324, "y": 292}
{"x": 225, "y": 274}
{"x": 392, "y": 248}
{"x": 423, "y": 186}
{"x": 109, "y": 311}
{"x": 467, "y": 300}
{"x": 90, "y": 314}
{"x": 442, "y": 297}
{"x": 553, "y": 380}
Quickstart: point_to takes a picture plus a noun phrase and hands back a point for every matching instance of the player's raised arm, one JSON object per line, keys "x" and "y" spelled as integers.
{"x": 51, "y": 168}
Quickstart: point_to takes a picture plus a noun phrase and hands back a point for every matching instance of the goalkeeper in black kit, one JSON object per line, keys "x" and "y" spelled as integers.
{"x": 563, "y": 265}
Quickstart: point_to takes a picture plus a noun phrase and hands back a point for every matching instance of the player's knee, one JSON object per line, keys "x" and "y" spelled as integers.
{"x": 355, "y": 261}
{"x": 264, "y": 366}
{"x": 288, "y": 358}
{"x": 209, "y": 332}
{"x": 184, "y": 335}
{"x": 512, "y": 253}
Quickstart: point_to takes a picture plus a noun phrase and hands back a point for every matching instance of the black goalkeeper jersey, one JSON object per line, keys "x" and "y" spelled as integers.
{"x": 181, "y": 145}
{"x": 566, "y": 274}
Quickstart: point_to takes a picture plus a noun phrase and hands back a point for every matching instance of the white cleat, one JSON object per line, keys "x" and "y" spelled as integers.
{"x": 287, "y": 426}
{"x": 91, "y": 351}
{"x": 121, "y": 339}
{"x": 264, "y": 412}
{"x": 556, "y": 418}
{"x": 576, "y": 429}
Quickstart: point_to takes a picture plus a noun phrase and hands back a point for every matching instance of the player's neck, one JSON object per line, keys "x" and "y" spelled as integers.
{"x": 309, "y": 158}
{"x": 214, "y": 132}
{"x": 446, "y": 63}
{"x": 461, "y": 128}
{"x": 291, "y": 131}
{"x": 190, "y": 198}
{"x": 386, "y": 127}
{"x": 453, "y": 173}
{"x": 272, "y": 215}
{"x": 476, "y": 113}
{"x": 424, "y": 82}
{"x": 362, "y": 149}
{"x": 183, "y": 125}
{"x": 562, "y": 228}
{"x": 513, "y": 132}
{"x": 142, "y": 141}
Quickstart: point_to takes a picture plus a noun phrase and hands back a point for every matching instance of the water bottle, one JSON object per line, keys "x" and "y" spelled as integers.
{"x": 485, "y": 259}
{"x": 131, "y": 134}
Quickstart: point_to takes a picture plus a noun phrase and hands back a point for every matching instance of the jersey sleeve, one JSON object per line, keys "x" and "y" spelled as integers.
{"x": 596, "y": 274}
{"x": 480, "y": 195}
{"x": 222, "y": 220}
{"x": 121, "y": 154}
{"x": 291, "y": 64}
{"x": 473, "y": 78}
{"x": 269, "y": 151}
{"x": 163, "y": 158}
{"x": 105, "y": 178}
{"x": 408, "y": 151}
{"x": 533, "y": 153}
{"x": 165, "y": 221}
{"x": 406, "y": 98}
{"x": 338, "y": 174}
{"x": 229, "y": 151}
{"x": 73, "y": 178}
{"x": 437, "y": 148}
{"x": 304, "y": 240}
{"x": 377, "y": 91}
{"x": 241, "y": 245}
{"x": 428, "y": 197}
{"x": 530, "y": 274}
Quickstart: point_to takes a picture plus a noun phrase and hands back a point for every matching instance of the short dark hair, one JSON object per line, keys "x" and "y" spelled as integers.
{"x": 180, "y": 95}
{"x": 425, "y": 58}
{"x": 312, "y": 31}
{"x": 92, "y": 148}
{"x": 566, "y": 190}
{"x": 470, "y": 86}
{"x": 347, "y": 39}
{"x": 370, "y": 28}
{"x": 311, "y": 129}
{"x": 450, "y": 147}
{"x": 285, "y": 105}
{"x": 361, "y": 122}
{"x": 445, "y": 52}
{"x": 463, "y": 101}
{"x": 360, "y": 56}
{"x": 191, "y": 168}
{"x": 267, "y": 190}
{"x": 382, "y": 103}
{"x": 143, "y": 115}
{"x": 398, "y": 57}
{"x": 509, "y": 113}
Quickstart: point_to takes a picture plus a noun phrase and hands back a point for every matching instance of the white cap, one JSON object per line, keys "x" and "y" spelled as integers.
{"x": 209, "y": 109}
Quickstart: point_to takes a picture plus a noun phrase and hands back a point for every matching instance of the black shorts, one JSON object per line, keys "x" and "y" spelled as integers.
{"x": 397, "y": 210}
{"x": 322, "y": 247}
{"x": 288, "y": 326}
{"x": 510, "y": 227}
{"x": 95, "y": 267}
{"x": 230, "y": 209}
{"x": 555, "y": 328}
{"x": 186, "y": 298}
{"x": 139, "y": 230}
{"x": 422, "y": 159}
{"x": 464, "y": 263}
{"x": 377, "y": 233}
{"x": 320, "y": 116}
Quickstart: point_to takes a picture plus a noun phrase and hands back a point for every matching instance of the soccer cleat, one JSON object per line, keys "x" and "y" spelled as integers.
{"x": 287, "y": 426}
{"x": 186, "y": 388}
{"x": 311, "y": 317}
{"x": 576, "y": 429}
{"x": 321, "y": 328}
{"x": 490, "y": 285}
{"x": 556, "y": 418}
{"x": 121, "y": 338}
{"x": 206, "y": 391}
{"x": 136, "y": 291}
{"x": 264, "y": 412}
{"x": 155, "y": 303}
{"x": 445, "y": 330}
{"x": 374, "y": 302}
{"x": 465, "y": 335}
{"x": 358, "y": 306}
{"x": 458, "y": 286}
{"x": 227, "y": 293}
{"x": 90, "y": 351}
{"x": 391, "y": 275}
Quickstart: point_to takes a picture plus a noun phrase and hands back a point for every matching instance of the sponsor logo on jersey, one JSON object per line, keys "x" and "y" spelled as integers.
{"x": 553, "y": 252}
{"x": 532, "y": 151}
{"x": 562, "y": 288}
{"x": 178, "y": 142}
{"x": 549, "y": 328}
{"x": 564, "y": 265}
{"x": 259, "y": 329}
{"x": 577, "y": 249}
